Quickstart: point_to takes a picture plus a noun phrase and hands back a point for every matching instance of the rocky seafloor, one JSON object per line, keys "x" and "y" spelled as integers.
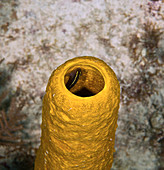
{"x": 36, "y": 36}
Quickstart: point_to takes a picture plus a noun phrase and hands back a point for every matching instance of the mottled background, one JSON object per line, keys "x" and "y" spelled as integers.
{"x": 36, "y": 36}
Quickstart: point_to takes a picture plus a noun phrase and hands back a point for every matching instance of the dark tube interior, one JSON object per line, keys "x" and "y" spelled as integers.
{"x": 84, "y": 81}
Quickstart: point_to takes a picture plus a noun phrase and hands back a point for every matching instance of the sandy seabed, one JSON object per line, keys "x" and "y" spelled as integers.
{"x": 36, "y": 36}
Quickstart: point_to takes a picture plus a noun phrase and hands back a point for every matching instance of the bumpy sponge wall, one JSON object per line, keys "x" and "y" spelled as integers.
{"x": 78, "y": 131}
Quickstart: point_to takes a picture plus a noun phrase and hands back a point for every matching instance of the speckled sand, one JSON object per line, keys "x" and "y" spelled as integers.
{"x": 46, "y": 33}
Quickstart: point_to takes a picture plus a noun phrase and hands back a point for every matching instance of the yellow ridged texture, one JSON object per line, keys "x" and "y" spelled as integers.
{"x": 78, "y": 125}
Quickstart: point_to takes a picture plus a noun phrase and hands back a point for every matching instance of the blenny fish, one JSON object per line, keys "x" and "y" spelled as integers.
{"x": 73, "y": 78}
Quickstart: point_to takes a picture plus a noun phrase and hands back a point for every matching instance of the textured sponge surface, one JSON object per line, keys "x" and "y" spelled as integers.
{"x": 79, "y": 124}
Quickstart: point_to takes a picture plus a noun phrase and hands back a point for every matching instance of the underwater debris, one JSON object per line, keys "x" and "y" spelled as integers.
{"x": 144, "y": 51}
{"x": 137, "y": 88}
{"x": 12, "y": 134}
{"x": 147, "y": 41}
{"x": 150, "y": 40}
{"x": 10, "y": 119}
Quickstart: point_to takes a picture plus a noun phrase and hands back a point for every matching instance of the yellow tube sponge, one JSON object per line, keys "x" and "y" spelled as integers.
{"x": 79, "y": 117}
